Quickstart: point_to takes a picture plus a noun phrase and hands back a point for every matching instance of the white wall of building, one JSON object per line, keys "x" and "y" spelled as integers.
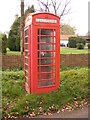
{"x": 64, "y": 42}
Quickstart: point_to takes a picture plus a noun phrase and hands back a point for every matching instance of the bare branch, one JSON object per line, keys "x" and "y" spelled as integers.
{"x": 40, "y": 7}
{"x": 52, "y": 2}
{"x": 45, "y": 5}
{"x": 48, "y": 6}
{"x": 66, "y": 12}
{"x": 66, "y": 4}
{"x": 59, "y": 5}
{"x": 54, "y": 6}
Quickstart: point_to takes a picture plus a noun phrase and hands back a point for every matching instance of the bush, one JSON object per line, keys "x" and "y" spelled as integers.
{"x": 81, "y": 40}
{"x": 88, "y": 46}
{"x": 80, "y": 46}
{"x": 7, "y": 49}
{"x": 72, "y": 42}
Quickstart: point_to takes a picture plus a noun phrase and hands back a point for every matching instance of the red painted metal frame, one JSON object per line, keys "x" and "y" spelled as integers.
{"x": 33, "y": 53}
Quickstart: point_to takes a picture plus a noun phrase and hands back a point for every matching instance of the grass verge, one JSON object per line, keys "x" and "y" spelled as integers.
{"x": 16, "y": 102}
{"x": 73, "y": 51}
{"x": 62, "y": 51}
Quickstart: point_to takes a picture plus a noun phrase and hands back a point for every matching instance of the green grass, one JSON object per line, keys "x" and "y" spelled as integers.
{"x": 13, "y": 53}
{"x": 73, "y": 51}
{"x": 62, "y": 51}
{"x": 16, "y": 102}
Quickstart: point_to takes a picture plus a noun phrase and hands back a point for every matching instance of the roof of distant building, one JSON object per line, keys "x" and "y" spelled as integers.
{"x": 66, "y": 37}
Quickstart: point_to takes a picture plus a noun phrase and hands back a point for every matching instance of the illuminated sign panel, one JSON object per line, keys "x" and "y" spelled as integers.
{"x": 46, "y": 20}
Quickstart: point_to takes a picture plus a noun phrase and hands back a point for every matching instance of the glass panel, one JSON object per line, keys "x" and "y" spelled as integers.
{"x": 54, "y": 67}
{"x": 26, "y": 53}
{"x": 54, "y": 54}
{"x": 26, "y": 77}
{"x": 27, "y": 67}
{"x": 38, "y": 48}
{"x": 46, "y": 39}
{"x": 46, "y": 83}
{"x": 45, "y": 57}
{"x": 54, "y": 40}
{"x": 26, "y": 40}
{"x": 54, "y": 32}
{"x": 26, "y": 47}
{"x": 26, "y": 32}
{"x": 54, "y": 75}
{"x": 54, "y": 47}
{"x": 46, "y": 61}
{"x": 46, "y": 76}
{"x": 46, "y": 32}
{"x": 46, "y": 46}
{"x": 26, "y": 74}
{"x": 26, "y": 80}
{"x": 46, "y": 68}
{"x": 26, "y": 60}
{"x": 46, "y": 54}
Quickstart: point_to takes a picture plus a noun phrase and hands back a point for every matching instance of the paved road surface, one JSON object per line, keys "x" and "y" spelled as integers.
{"x": 79, "y": 113}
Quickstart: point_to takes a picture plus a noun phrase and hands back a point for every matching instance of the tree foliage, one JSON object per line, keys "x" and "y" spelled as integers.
{"x": 4, "y": 43}
{"x": 18, "y": 42}
{"x": 13, "y": 42}
{"x": 0, "y": 36}
{"x": 29, "y": 10}
{"x": 13, "y": 35}
{"x": 66, "y": 29}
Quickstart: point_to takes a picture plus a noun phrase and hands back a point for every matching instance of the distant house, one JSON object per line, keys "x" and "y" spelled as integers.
{"x": 64, "y": 39}
{"x": 88, "y": 40}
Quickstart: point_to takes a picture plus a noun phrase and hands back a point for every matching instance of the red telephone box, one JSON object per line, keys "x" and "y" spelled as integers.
{"x": 42, "y": 52}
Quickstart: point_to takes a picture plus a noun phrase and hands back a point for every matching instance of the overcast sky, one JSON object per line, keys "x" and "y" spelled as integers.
{"x": 78, "y": 16}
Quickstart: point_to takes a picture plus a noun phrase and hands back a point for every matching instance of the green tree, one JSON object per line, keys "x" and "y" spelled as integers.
{"x": 29, "y": 10}
{"x": 18, "y": 42}
{"x": 0, "y": 35}
{"x": 13, "y": 41}
{"x": 4, "y": 43}
{"x": 66, "y": 29}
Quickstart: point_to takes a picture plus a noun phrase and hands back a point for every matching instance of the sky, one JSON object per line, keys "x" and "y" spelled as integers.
{"x": 78, "y": 16}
